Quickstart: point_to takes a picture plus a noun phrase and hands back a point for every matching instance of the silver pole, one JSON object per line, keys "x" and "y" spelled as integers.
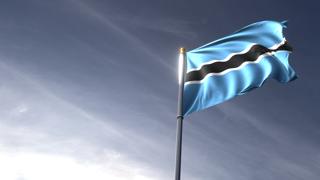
{"x": 182, "y": 65}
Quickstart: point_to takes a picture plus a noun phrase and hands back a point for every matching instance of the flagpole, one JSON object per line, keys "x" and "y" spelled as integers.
{"x": 182, "y": 65}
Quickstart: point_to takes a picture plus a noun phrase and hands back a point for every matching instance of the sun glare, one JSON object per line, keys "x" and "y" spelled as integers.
{"x": 34, "y": 166}
{"x": 180, "y": 67}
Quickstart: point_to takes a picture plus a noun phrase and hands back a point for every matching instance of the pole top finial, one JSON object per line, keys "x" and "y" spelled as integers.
{"x": 182, "y": 50}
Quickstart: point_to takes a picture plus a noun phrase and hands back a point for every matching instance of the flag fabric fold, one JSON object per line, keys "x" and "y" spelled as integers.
{"x": 236, "y": 64}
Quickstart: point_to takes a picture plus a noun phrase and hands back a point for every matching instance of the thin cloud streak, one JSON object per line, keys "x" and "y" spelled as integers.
{"x": 136, "y": 43}
{"x": 52, "y": 96}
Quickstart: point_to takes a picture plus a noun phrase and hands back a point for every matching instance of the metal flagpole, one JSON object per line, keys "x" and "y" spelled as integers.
{"x": 182, "y": 65}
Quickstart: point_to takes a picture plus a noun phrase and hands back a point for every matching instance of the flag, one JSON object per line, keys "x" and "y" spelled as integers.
{"x": 236, "y": 64}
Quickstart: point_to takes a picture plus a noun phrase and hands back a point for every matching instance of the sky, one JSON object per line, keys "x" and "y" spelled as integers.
{"x": 88, "y": 90}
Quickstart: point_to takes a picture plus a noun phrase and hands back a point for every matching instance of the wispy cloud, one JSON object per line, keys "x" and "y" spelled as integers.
{"x": 39, "y": 130}
{"x": 127, "y": 35}
{"x": 175, "y": 27}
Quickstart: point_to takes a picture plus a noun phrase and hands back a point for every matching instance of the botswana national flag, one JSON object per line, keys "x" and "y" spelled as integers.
{"x": 236, "y": 64}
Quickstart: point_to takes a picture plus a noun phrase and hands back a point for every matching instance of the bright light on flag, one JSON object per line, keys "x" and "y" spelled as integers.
{"x": 236, "y": 64}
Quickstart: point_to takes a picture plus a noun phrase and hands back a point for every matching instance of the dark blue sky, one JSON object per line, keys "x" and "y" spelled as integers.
{"x": 88, "y": 90}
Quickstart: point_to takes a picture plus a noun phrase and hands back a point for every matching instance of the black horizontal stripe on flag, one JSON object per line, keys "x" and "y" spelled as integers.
{"x": 234, "y": 62}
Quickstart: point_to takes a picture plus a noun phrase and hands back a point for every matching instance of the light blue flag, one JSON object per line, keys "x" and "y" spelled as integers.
{"x": 236, "y": 64}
